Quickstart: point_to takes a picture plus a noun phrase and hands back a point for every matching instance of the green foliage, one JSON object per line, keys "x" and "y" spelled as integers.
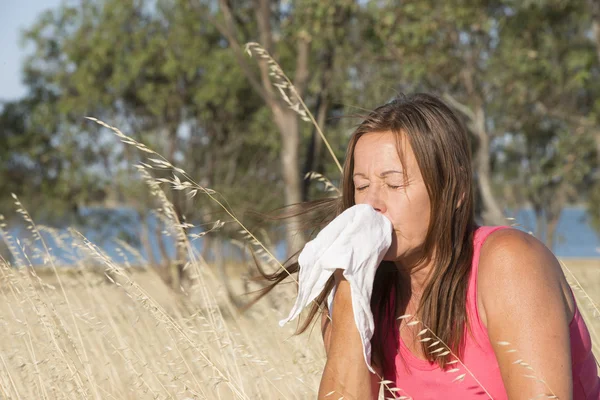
{"x": 160, "y": 70}
{"x": 548, "y": 95}
{"x": 164, "y": 73}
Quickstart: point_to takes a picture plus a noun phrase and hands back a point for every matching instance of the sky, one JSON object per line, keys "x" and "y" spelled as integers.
{"x": 16, "y": 15}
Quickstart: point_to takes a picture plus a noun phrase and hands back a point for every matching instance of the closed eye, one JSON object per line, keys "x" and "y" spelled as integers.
{"x": 361, "y": 188}
{"x": 404, "y": 184}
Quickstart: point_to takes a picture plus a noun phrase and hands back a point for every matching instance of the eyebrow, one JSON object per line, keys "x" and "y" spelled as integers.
{"x": 382, "y": 175}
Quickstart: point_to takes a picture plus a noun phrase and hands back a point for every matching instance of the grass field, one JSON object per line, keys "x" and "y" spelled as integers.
{"x": 143, "y": 340}
{"x": 83, "y": 336}
{"x": 585, "y": 281}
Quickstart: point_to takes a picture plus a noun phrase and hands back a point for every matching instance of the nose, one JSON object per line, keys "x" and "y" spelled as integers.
{"x": 373, "y": 198}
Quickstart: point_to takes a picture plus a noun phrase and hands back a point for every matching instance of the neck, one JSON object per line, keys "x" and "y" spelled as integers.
{"x": 419, "y": 277}
{"x": 418, "y": 274}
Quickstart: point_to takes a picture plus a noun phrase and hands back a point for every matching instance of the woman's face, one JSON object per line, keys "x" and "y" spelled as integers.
{"x": 379, "y": 182}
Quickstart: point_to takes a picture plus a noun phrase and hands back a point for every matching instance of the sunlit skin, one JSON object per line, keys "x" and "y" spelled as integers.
{"x": 380, "y": 182}
{"x": 399, "y": 193}
{"x": 519, "y": 280}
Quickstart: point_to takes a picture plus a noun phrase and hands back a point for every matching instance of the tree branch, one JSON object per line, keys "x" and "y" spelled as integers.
{"x": 263, "y": 18}
{"x": 229, "y": 31}
{"x": 463, "y": 108}
{"x": 554, "y": 113}
{"x": 301, "y": 74}
{"x": 594, "y": 6}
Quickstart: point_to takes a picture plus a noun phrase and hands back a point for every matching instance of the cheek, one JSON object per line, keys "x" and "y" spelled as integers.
{"x": 416, "y": 223}
{"x": 399, "y": 212}
{"x": 410, "y": 219}
{"x": 358, "y": 198}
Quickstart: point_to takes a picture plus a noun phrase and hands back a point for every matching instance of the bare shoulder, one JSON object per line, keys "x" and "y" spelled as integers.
{"x": 514, "y": 245}
{"x": 515, "y": 268}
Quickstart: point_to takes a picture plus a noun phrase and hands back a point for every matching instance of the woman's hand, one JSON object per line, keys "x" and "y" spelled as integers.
{"x": 345, "y": 373}
{"x": 524, "y": 300}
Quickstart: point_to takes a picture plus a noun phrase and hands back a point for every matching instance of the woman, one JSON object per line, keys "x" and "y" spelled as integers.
{"x": 494, "y": 297}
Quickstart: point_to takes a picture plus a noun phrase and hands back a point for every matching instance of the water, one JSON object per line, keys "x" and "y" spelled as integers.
{"x": 574, "y": 238}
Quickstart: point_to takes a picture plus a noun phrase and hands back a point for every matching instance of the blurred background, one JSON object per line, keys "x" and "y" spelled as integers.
{"x": 524, "y": 76}
{"x": 142, "y": 265}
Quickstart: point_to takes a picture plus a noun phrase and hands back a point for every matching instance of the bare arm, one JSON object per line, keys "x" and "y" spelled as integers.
{"x": 345, "y": 371}
{"x": 525, "y": 301}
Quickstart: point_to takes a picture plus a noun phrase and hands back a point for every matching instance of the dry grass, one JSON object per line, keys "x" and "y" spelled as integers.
{"x": 584, "y": 277}
{"x": 100, "y": 330}
{"x": 113, "y": 342}
{"x": 110, "y": 341}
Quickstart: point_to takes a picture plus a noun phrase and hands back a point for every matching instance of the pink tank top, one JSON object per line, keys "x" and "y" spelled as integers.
{"x": 418, "y": 379}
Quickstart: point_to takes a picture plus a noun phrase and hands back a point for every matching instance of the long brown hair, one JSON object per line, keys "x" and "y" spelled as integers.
{"x": 442, "y": 150}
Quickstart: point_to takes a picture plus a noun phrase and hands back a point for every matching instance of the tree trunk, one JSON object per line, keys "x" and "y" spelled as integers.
{"x": 594, "y": 6}
{"x": 206, "y": 247}
{"x": 555, "y": 203}
{"x": 219, "y": 263}
{"x": 315, "y": 146}
{"x": 176, "y": 267}
{"x": 551, "y": 225}
{"x": 285, "y": 119}
{"x": 145, "y": 240}
{"x": 492, "y": 213}
{"x": 287, "y": 122}
{"x": 539, "y": 221}
{"x": 313, "y": 155}
{"x": 160, "y": 240}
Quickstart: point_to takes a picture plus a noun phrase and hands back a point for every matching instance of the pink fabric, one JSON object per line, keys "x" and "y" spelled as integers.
{"x": 419, "y": 379}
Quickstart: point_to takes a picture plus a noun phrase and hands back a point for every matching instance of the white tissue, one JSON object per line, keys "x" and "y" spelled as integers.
{"x": 356, "y": 242}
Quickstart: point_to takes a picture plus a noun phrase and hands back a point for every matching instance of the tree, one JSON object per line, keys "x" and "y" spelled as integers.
{"x": 44, "y": 163}
{"x": 156, "y": 70}
{"x": 288, "y": 34}
{"x": 594, "y": 196}
{"x": 547, "y": 100}
{"x": 448, "y": 48}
